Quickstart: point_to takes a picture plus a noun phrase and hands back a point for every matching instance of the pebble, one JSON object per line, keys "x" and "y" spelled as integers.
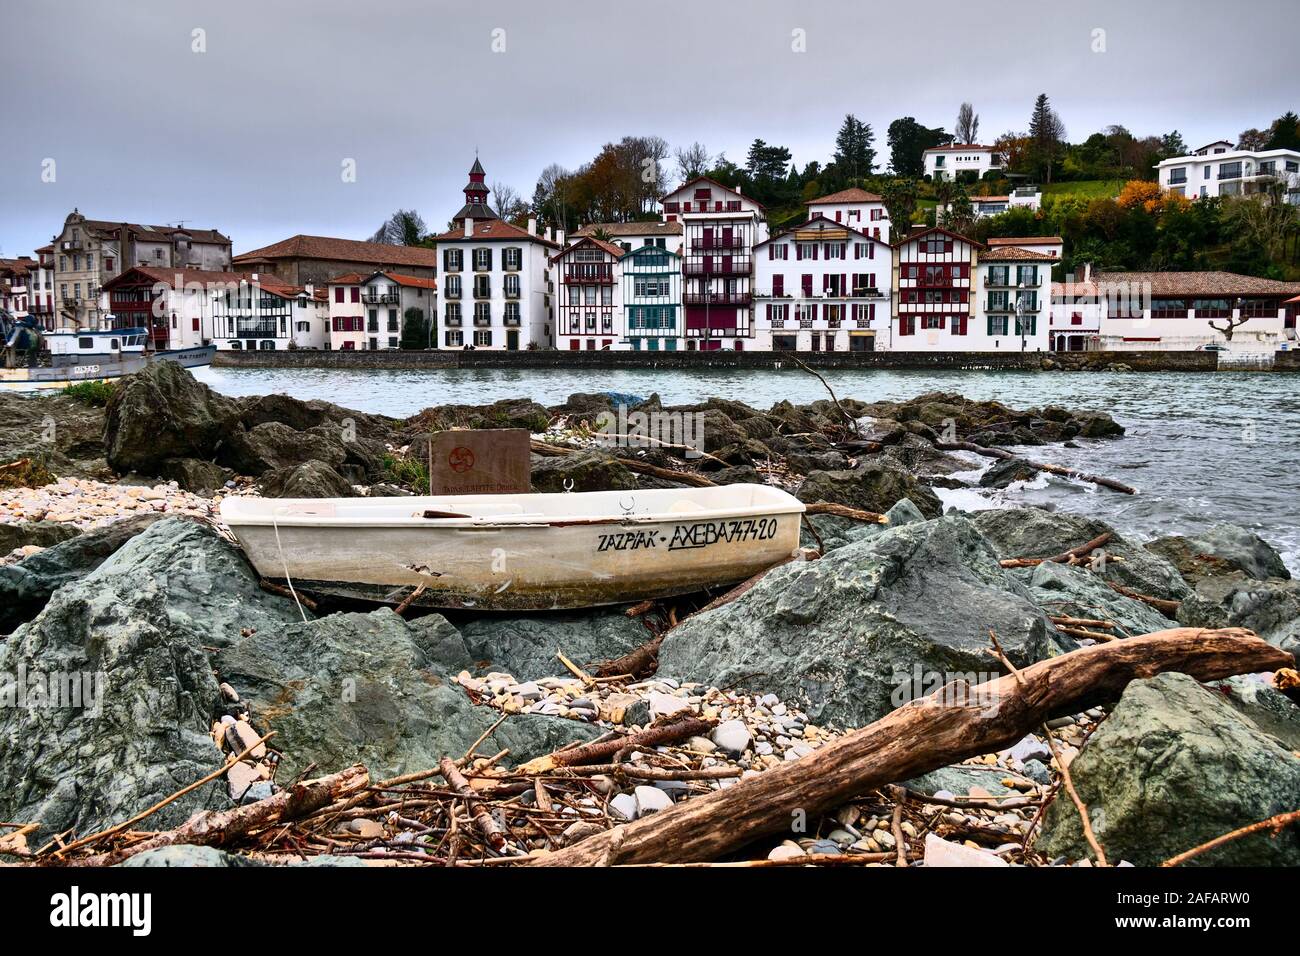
{"x": 785, "y": 851}
{"x": 651, "y": 800}
{"x": 624, "y": 805}
{"x": 665, "y": 705}
{"x": 732, "y": 736}
{"x": 580, "y": 830}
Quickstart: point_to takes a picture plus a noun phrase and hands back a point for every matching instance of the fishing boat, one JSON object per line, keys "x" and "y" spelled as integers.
{"x": 518, "y": 552}
{"x": 66, "y": 357}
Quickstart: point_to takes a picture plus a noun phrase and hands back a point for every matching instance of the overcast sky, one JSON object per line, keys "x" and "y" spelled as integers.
{"x": 250, "y": 136}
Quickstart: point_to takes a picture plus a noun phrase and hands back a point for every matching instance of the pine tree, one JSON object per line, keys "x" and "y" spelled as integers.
{"x": 854, "y": 153}
{"x": 1045, "y": 134}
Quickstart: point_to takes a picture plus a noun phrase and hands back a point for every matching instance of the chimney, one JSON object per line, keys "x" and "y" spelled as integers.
{"x": 532, "y": 225}
{"x": 469, "y": 226}
{"x": 548, "y": 233}
{"x": 739, "y": 190}
{"x": 559, "y": 236}
{"x": 1087, "y": 272}
{"x": 254, "y": 278}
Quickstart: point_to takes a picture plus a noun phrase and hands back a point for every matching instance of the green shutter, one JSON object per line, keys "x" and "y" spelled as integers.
{"x": 990, "y": 325}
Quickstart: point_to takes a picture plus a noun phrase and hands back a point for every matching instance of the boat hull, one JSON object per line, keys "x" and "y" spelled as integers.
{"x": 102, "y": 370}
{"x": 556, "y": 564}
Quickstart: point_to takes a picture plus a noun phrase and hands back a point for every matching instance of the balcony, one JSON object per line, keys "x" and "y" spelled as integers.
{"x": 255, "y": 330}
{"x": 717, "y": 267}
{"x": 482, "y": 321}
{"x": 512, "y": 292}
{"x": 512, "y": 321}
{"x": 716, "y": 298}
{"x": 452, "y": 321}
{"x": 482, "y": 291}
{"x": 381, "y": 298}
{"x": 451, "y": 293}
{"x": 706, "y": 243}
{"x": 592, "y": 274}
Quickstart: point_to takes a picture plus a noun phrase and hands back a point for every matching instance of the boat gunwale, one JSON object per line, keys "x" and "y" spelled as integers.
{"x": 522, "y": 521}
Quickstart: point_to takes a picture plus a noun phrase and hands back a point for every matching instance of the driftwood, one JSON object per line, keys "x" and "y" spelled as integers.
{"x": 844, "y": 511}
{"x": 487, "y": 824}
{"x": 221, "y": 828}
{"x": 1036, "y": 465}
{"x": 638, "y": 661}
{"x": 1275, "y": 823}
{"x": 921, "y": 736}
{"x": 1166, "y": 607}
{"x": 272, "y": 588}
{"x": 1065, "y": 557}
{"x": 602, "y": 750}
{"x": 631, "y": 464}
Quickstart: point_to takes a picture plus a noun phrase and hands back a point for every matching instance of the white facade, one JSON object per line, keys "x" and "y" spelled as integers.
{"x": 948, "y": 162}
{"x": 1047, "y": 245}
{"x": 1217, "y": 170}
{"x": 652, "y": 300}
{"x": 589, "y": 277}
{"x": 497, "y": 287}
{"x": 855, "y": 208}
{"x": 821, "y": 287}
{"x": 1026, "y": 198}
{"x": 1075, "y": 323}
{"x": 630, "y": 236}
{"x": 263, "y": 314}
{"x": 720, "y": 227}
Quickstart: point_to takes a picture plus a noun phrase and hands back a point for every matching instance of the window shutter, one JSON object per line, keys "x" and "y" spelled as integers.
{"x": 798, "y": 253}
{"x": 990, "y": 325}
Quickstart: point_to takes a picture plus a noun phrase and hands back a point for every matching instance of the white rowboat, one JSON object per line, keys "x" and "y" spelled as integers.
{"x": 519, "y": 552}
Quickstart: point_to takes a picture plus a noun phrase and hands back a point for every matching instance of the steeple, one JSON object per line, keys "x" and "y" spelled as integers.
{"x": 476, "y": 197}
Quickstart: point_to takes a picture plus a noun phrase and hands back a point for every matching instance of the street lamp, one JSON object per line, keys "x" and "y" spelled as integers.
{"x": 1020, "y": 314}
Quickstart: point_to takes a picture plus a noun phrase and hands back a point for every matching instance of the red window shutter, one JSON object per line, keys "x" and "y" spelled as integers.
{"x": 778, "y": 285}
{"x": 947, "y": 245}
{"x": 338, "y": 294}
{"x": 356, "y": 295}
{"x": 871, "y": 310}
{"x": 798, "y": 253}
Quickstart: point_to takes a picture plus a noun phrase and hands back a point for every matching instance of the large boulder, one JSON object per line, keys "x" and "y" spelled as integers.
{"x": 1221, "y": 549}
{"x": 272, "y": 445}
{"x": 63, "y": 433}
{"x": 834, "y": 531}
{"x": 1270, "y": 608}
{"x": 311, "y": 479}
{"x": 1062, "y": 590}
{"x": 136, "y": 628}
{"x": 161, "y": 412}
{"x": 28, "y": 584}
{"x": 1173, "y": 766}
{"x": 870, "y": 625}
{"x": 875, "y": 485}
{"x": 195, "y": 474}
{"x": 303, "y": 415}
{"x": 587, "y": 470}
{"x": 526, "y": 647}
{"x": 1038, "y": 533}
{"x": 505, "y": 413}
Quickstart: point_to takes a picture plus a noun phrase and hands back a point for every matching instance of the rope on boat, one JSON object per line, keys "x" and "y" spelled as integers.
{"x": 285, "y": 564}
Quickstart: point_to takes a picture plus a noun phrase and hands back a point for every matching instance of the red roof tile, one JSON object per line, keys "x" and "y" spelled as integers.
{"x": 345, "y": 250}
{"x": 853, "y": 194}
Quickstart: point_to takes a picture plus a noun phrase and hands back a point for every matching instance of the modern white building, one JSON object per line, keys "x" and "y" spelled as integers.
{"x": 1048, "y": 245}
{"x": 1190, "y": 310}
{"x": 1221, "y": 170}
{"x": 856, "y": 208}
{"x": 950, "y": 162}
{"x": 720, "y": 227}
{"x": 821, "y": 286}
{"x": 1075, "y": 323}
{"x": 498, "y": 287}
{"x": 590, "y": 300}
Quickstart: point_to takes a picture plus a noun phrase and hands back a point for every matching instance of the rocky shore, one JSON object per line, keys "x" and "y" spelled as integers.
{"x": 119, "y": 568}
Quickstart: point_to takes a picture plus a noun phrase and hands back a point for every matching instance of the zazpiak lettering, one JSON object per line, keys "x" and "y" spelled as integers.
{"x": 628, "y": 541}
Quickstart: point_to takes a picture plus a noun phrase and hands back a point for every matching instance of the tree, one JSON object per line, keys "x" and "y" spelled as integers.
{"x": 1252, "y": 139}
{"x": 1285, "y": 132}
{"x": 693, "y": 161}
{"x": 854, "y": 153}
{"x": 415, "y": 329}
{"x": 908, "y": 140}
{"x": 899, "y": 196}
{"x": 968, "y": 124}
{"x": 403, "y": 228}
{"x": 1046, "y": 133}
{"x": 509, "y": 205}
{"x": 957, "y": 214}
{"x": 1171, "y": 145}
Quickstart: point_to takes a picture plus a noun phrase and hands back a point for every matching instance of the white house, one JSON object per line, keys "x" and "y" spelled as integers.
{"x": 1221, "y": 170}
{"x": 368, "y": 312}
{"x": 263, "y": 313}
{"x": 1075, "y": 323}
{"x": 855, "y": 208}
{"x": 497, "y": 284}
{"x": 590, "y": 282}
{"x": 347, "y": 314}
{"x": 953, "y": 294}
{"x": 1026, "y": 197}
{"x": 821, "y": 286}
{"x": 720, "y": 227}
{"x": 1048, "y": 245}
{"x": 950, "y": 162}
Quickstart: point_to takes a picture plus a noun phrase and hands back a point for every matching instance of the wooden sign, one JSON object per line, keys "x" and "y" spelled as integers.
{"x": 490, "y": 461}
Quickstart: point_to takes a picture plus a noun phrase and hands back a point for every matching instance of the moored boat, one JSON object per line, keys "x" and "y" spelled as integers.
{"x": 518, "y": 552}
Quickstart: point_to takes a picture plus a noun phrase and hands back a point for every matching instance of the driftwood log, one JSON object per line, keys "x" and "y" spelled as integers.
{"x": 1065, "y": 557}
{"x": 1036, "y": 465}
{"x": 955, "y": 723}
{"x": 631, "y": 464}
{"x": 1166, "y": 607}
{"x": 604, "y": 749}
{"x": 224, "y": 827}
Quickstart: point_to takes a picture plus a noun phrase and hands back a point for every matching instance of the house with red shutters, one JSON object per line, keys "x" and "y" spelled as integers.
{"x": 821, "y": 286}
{"x": 855, "y": 208}
{"x": 589, "y": 279}
{"x": 720, "y": 228}
{"x": 953, "y": 294}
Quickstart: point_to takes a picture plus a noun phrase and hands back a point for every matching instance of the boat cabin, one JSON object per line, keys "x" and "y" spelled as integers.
{"x": 73, "y": 348}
